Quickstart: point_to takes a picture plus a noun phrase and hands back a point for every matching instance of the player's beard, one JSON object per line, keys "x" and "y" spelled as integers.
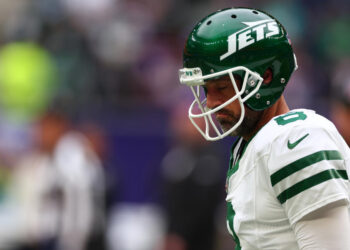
{"x": 247, "y": 126}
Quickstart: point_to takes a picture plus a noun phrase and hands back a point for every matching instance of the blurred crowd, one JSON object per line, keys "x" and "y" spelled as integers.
{"x": 96, "y": 150}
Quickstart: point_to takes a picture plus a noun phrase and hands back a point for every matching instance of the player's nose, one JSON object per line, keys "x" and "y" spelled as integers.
{"x": 213, "y": 99}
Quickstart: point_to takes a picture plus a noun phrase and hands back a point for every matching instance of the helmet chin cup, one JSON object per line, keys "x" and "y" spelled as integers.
{"x": 210, "y": 130}
{"x": 209, "y": 123}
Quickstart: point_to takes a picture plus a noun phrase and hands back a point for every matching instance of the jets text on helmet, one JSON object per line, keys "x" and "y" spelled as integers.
{"x": 244, "y": 37}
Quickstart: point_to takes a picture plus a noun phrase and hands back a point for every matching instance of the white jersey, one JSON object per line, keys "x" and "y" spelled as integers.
{"x": 295, "y": 164}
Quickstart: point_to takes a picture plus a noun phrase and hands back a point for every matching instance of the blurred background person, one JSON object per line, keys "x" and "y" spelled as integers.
{"x": 59, "y": 189}
{"x": 340, "y": 97}
{"x": 193, "y": 176}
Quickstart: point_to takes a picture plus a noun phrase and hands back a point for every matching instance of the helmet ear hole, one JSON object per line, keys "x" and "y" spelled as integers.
{"x": 268, "y": 76}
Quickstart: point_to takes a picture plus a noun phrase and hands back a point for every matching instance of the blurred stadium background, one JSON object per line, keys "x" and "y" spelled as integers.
{"x": 96, "y": 151}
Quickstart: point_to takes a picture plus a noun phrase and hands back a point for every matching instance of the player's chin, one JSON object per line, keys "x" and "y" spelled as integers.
{"x": 226, "y": 125}
{"x": 233, "y": 133}
{"x": 226, "y": 122}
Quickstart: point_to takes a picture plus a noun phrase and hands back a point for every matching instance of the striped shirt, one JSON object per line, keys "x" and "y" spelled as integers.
{"x": 295, "y": 164}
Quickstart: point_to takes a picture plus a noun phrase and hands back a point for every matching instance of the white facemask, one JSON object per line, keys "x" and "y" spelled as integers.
{"x": 193, "y": 78}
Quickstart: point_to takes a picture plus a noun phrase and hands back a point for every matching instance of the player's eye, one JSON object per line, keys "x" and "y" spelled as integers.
{"x": 221, "y": 87}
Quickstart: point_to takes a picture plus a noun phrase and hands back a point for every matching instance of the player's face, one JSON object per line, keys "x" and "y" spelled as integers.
{"x": 221, "y": 90}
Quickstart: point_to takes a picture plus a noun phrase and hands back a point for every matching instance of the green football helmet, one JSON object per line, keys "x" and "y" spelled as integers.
{"x": 240, "y": 41}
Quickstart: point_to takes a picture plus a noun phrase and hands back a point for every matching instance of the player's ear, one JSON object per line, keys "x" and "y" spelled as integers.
{"x": 268, "y": 75}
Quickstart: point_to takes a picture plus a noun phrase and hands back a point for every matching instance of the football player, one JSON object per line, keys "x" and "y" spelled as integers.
{"x": 288, "y": 177}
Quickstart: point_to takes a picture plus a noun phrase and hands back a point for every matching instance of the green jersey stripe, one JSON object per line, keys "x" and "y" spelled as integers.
{"x": 303, "y": 163}
{"x": 311, "y": 182}
{"x": 232, "y": 169}
{"x": 230, "y": 218}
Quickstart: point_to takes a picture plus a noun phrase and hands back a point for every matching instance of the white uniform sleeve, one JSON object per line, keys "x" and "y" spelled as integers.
{"x": 308, "y": 170}
{"x": 327, "y": 228}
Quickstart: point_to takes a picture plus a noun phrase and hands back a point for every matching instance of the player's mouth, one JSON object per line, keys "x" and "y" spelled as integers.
{"x": 223, "y": 114}
{"x": 225, "y": 117}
